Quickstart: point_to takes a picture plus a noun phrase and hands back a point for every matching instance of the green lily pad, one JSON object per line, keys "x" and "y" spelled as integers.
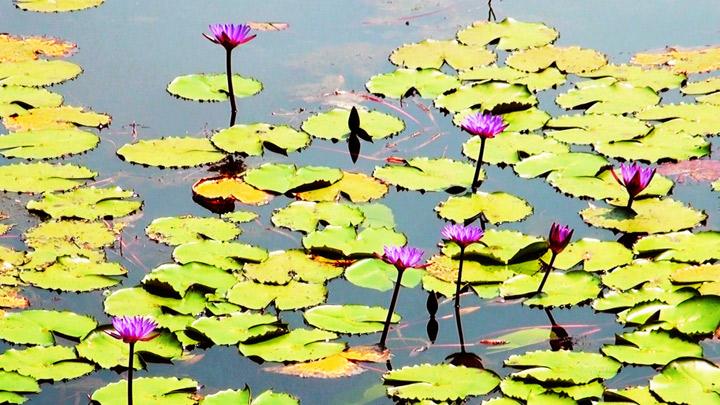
{"x": 604, "y": 186}
{"x": 439, "y": 382}
{"x": 42, "y": 177}
{"x": 293, "y": 295}
{"x": 379, "y": 275}
{"x": 53, "y": 363}
{"x": 502, "y": 246}
{"x": 172, "y": 313}
{"x": 563, "y": 366}
{"x": 297, "y": 345}
{"x": 75, "y": 274}
{"x": 19, "y": 48}
{"x": 666, "y": 293}
{"x": 37, "y": 73}
{"x": 639, "y": 272}
{"x": 511, "y": 147}
{"x": 681, "y": 246}
{"x": 171, "y": 152}
{"x": 635, "y": 395}
{"x": 656, "y": 79}
{"x": 306, "y": 216}
{"x": 491, "y": 96}
{"x": 87, "y": 203}
{"x": 532, "y": 392}
{"x": 566, "y": 164}
{"x": 59, "y": 118}
{"x": 518, "y": 121}
{"x": 688, "y": 381}
{"x": 237, "y": 327}
{"x": 225, "y": 255}
{"x": 109, "y": 352}
{"x": 561, "y": 289}
{"x": 237, "y": 397}
{"x": 428, "y": 174}
{"x": 239, "y": 217}
{"x": 509, "y": 34}
{"x": 356, "y": 187}
{"x": 595, "y": 128}
{"x": 56, "y": 6}
{"x": 692, "y": 119}
{"x": 650, "y": 215}
{"x": 14, "y": 99}
{"x": 47, "y": 143}
{"x": 428, "y": 83}
{"x": 53, "y": 239}
{"x": 175, "y": 280}
{"x": 185, "y": 229}
{"x": 283, "y": 266}
{"x": 650, "y": 348}
{"x": 333, "y": 124}
{"x": 535, "y": 81}
{"x": 38, "y": 327}
{"x": 707, "y": 274}
{"x": 212, "y": 87}
{"x": 353, "y": 319}
{"x": 496, "y": 207}
{"x": 694, "y": 316}
{"x": 13, "y": 383}
{"x": 350, "y": 242}
{"x": 446, "y": 269}
{"x": 614, "y": 98}
{"x": 250, "y": 139}
{"x": 149, "y": 390}
{"x": 707, "y": 86}
{"x": 713, "y": 99}
{"x": 431, "y": 53}
{"x": 284, "y": 178}
{"x": 663, "y": 142}
{"x": 571, "y": 59}
{"x": 595, "y": 255}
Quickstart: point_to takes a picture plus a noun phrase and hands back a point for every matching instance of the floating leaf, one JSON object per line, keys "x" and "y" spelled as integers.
{"x": 428, "y": 83}
{"x": 662, "y": 143}
{"x": 604, "y": 186}
{"x": 495, "y": 207}
{"x": 563, "y": 366}
{"x": 502, "y": 246}
{"x": 225, "y": 255}
{"x": 53, "y": 239}
{"x": 223, "y": 188}
{"x": 379, "y": 275}
{"x": 637, "y": 395}
{"x": 149, "y": 390}
{"x": 566, "y": 164}
{"x": 493, "y": 96}
{"x": 509, "y": 34}
{"x": 15, "y": 48}
{"x": 238, "y": 327}
{"x": 708, "y": 275}
{"x": 431, "y": 53}
{"x": 177, "y": 280}
{"x": 243, "y": 398}
{"x": 356, "y": 187}
{"x": 297, "y": 345}
{"x": 284, "y": 178}
{"x": 47, "y": 143}
{"x": 536, "y": 393}
{"x": 212, "y": 87}
{"x": 517, "y": 121}
{"x": 37, "y": 73}
{"x": 707, "y": 86}
{"x": 185, "y": 229}
{"x": 650, "y": 348}
{"x": 511, "y": 147}
{"x": 15, "y": 99}
{"x": 446, "y": 269}
{"x": 13, "y": 383}
{"x": 42, "y": 177}
{"x": 293, "y": 295}
{"x": 594, "y": 128}
{"x": 283, "y": 266}
{"x": 595, "y": 255}
{"x": 694, "y": 316}
{"x": 333, "y": 124}
{"x": 239, "y": 217}
{"x": 680, "y": 60}
{"x": 683, "y": 380}
{"x": 74, "y": 274}
{"x": 690, "y": 119}
{"x": 696, "y": 170}
{"x": 439, "y": 382}
{"x": 37, "y": 327}
{"x": 167, "y": 312}
{"x": 639, "y": 272}
{"x": 681, "y": 246}
{"x": 614, "y": 98}
{"x": 349, "y": 242}
{"x": 656, "y": 79}
{"x": 63, "y": 117}
{"x": 571, "y": 59}
{"x": 250, "y": 139}
{"x": 650, "y": 215}
{"x": 87, "y": 203}
{"x": 535, "y": 81}
{"x": 171, "y": 152}
{"x": 306, "y": 216}
{"x": 428, "y": 174}
{"x": 562, "y": 289}
{"x": 338, "y": 365}
{"x": 10, "y": 298}
{"x": 56, "y": 6}
{"x": 45, "y": 363}
{"x": 109, "y": 352}
{"x": 353, "y": 319}
{"x": 666, "y": 293}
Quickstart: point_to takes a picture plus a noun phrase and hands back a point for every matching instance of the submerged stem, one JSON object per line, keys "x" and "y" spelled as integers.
{"x": 477, "y": 166}
{"x": 547, "y": 273}
{"x": 386, "y": 327}
{"x": 231, "y": 91}
{"x": 130, "y": 374}
{"x": 458, "y": 323}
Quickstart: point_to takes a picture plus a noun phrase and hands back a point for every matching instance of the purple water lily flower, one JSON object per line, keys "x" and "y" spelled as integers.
{"x": 402, "y": 257}
{"x": 484, "y": 125}
{"x": 230, "y": 35}
{"x": 462, "y": 235}
{"x": 559, "y": 238}
{"x": 635, "y": 179}
{"x": 132, "y": 329}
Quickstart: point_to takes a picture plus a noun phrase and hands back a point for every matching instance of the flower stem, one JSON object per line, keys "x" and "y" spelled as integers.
{"x": 630, "y": 202}
{"x": 231, "y": 91}
{"x": 459, "y": 277}
{"x": 458, "y": 323}
{"x": 475, "y": 183}
{"x": 396, "y": 292}
{"x": 130, "y": 374}
{"x": 547, "y": 273}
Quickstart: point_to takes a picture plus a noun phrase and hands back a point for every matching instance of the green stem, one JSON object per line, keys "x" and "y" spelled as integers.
{"x": 547, "y": 273}
{"x": 475, "y": 184}
{"x": 231, "y": 91}
{"x": 130, "y": 374}
{"x": 396, "y": 292}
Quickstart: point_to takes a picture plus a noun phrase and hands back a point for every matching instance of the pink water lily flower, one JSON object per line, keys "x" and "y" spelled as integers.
{"x": 462, "y": 235}
{"x": 635, "y": 179}
{"x": 484, "y": 125}
{"x": 560, "y": 236}
{"x": 132, "y": 329}
{"x": 402, "y": 257}
{"x": 230, "y": 35}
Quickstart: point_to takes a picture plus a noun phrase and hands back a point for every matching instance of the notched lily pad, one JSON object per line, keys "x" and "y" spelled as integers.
{"x": 250, "y": 139}
{"x": 225, "y": 255}
{"x": 283, "y": 266}
{"x": 47, "y": 143}
{"x": 509, "y": 34}
{"x": 297, "y": 345}
{"x": 356, "y": 187}
{"x": 212, "y": 87}
{"x": 305, "y": 216}
{"x": 689, "y": 378}
{"x": 148, "y": 390}
{"x": 37, "y": 73}
{"x": 602, "y": 96}
{"x": 333, "y": 124}
{"x": 680, "y": 60}
{"x": 171, "y": 152}
{"x": 497, "y": 97}
{"x": 535, "y": 81}
{"x": 517, "y": 121}
{"x": 56, "y": 6}
{"x": 432, "y": 53}
{"x": 53, "y": 363}
{"x": 185, "y": 229}
{"x": 20, "y": 48}
{"x": 604, "y": 186}
{"x": 595, "y": 255}
{"x": 664, "y": 142}
{"x": 427, "y": 174}
{"x": 656, "y": 79}
{"x": 175, "y": 280}
{"x": 594, "y": 128}
{"x": 495, "y": 207}
{"x": 650, "y": 348}
{"x": 561, "y": 289}
{"x": 428, "y": 83}
{"x": 512, "y": 147}
{"x": 237, "y": 327}
{"x": 87, "y": 203}
{"x": 18, "y": 99}
{"x": 62, "y": 117}
{"x": 571, "y": 59}
{"x": 42, "y": 177}
{"x": 694, "y": 316}
{"x": 109, "y": 352}
{"x": 566, "y": 164}
{"x": 284, "y": 178}
{"x": 563, "y": 366}
{"x": 439, "y": 382}
{"x": 75, "y": 274}
{"x": 226, "y": 188}
{"x": 352, "y": 319}
{"x": 38, "y": 327}
{"x": 293, "y": 295}
{"x": 348, "y": 241}
{"x": 501, "y": 246}
{"x": 650, "y": 215}
{"x": 379, "y": 275}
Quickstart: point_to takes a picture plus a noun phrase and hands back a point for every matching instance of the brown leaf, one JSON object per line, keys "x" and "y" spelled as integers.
{"x": 698, "y": 170}
{"x": 11, "y": 298}
{"x": 336, "y": 366}
{"x": 268, "y": 26}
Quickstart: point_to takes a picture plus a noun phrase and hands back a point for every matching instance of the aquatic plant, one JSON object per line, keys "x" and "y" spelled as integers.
{"x": 559, "y": 238}
{"x": 464, "y": 236}
{"x": 402, "y": 257}
{"x": 485, "y": 126}
{"x": 635, "y": 179}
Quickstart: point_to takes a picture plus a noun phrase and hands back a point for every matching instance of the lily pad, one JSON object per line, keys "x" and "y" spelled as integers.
{"x": 225, "y": 255}
{"x": 662, "y": 143}
{"x": 650, "y": 215}
{"x": 446, "y": 269}
{"x": 306, "y": 216}
{"x": 678, "y": 60}
{"x": 563, "y": 366}
{"x": 535, "y": 81}
{"x": 185, "y": 229}
{"x": 428, "y": 83}
{"x": 439, "y": 382}
{"x": 431, "y": 53}
{"x": 509, "y": 34}
{"x": 656, "y": 79}
{"x": 230, "y": 188}
{"x": 283, "y": 266}
{"x": 681, "y": 246}
{"x": 600, "y": 97}
{"x": 356, "y": 187}
{"x": 75, "y": 274}
{"x": 536, "y": 393}
{"x": 566, "y": 164}
{"x": 595, "y": 255}
{"x": 250, "y": 139}
{"x": 333, "y": 124}
{"x": 53, "y": 239}
{"x": 56, "y": 6}
{"x": 665, "y": 293}
{"x": 53, "y": 363}
{"x": 639, "y": 272}
{"x": 495, "y": 207}
{"x": 109, "y": 352}
{"x": 379, "y": 275}
{"x": 518, "y": 121}
{"x": 562, "y": 289}
{"x": 237, "y": 327}
{"x": 212, "y": 87}
{"x": 352, "y": 319}
{"x": 237, "y": 397}
{"x": 707, "y": 86}
{"x": 512, "y": 147}
{"x": 297, "y": 345}
{"x": 690, "y": 119}
{"x": 15, "y": 99}
{"x": 502, "y": 246}
{"x": 694, "y": 316}
{"x": 604, "y": 186}
{"x": 62, "y": 117}
{"x": 37, "y": 73}
{"x": 149, "y": 390}
{"x": 87, "y": 203}
{"x": 688, "y": 381}
{"x": 38, "y": 327}
{"x": 171, "y": 152}
{"x": 650, "y": 348}
{"x": 497, "y": 97}
{"x": 47, "y": 144}
{"x": 293, "y": 295}
{"x": 172, "y": 313}
{"x": 284, "y": 178}
{"x": 594, "y": 128}
{"x": 42, "y": 177}
{"x": 571, "y": 59}
{"x": 428, "y": 174}
{"x": 21, "y": 48}
{"x": 11, "y": 384}
{"x": 349, "y": 242}
{"x": 175, "y": 280}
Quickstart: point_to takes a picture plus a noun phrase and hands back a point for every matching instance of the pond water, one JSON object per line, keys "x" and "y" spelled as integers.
{"x": 130, "y": 51}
